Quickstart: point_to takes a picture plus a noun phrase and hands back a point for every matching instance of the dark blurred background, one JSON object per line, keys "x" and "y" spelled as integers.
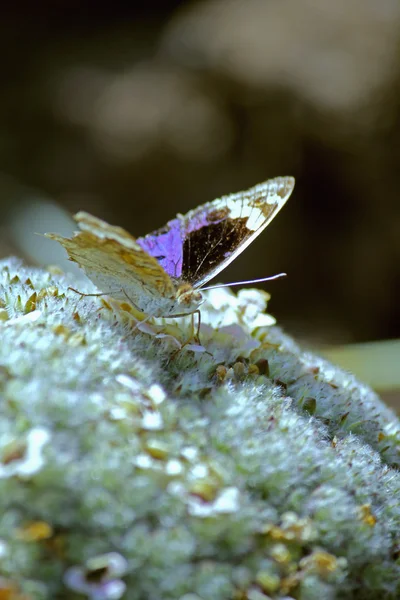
{"x": 137, "y": 111}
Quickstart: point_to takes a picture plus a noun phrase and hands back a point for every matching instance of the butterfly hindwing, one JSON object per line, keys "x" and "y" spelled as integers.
{"x": 113, "y": 260}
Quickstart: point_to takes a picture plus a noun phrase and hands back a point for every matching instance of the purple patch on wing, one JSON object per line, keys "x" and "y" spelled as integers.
{"x": 166, "y": 246}
{"x": 203, "y": 218}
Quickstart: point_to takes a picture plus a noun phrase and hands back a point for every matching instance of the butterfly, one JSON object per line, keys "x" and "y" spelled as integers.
{"x": 162, "y": 273}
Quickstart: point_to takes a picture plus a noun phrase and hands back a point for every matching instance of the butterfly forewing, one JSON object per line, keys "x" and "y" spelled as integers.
{"x": 216, "y": 232}
{"x": 113, "y": 260}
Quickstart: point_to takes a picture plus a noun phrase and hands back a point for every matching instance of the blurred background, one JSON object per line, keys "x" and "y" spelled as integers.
{"x": 137, "y": 111}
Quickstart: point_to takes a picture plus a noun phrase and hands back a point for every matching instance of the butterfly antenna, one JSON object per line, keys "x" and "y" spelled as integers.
{"x": 214, "y": 287}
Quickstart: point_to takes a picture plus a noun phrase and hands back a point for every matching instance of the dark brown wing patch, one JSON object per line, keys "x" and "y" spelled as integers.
{"x": 207, "y": 247}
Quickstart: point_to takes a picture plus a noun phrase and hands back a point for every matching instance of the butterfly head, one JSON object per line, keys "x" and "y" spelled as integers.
{"x": 188, "y": 299}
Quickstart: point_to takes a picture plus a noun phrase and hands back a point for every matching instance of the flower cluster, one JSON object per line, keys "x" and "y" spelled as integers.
{"x": 137, "y": 464}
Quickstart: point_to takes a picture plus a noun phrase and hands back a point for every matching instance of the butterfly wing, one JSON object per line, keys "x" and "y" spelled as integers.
{"x": 114, "y": 262}
{"x": 215, "y": 233}
{"x": 192, "y": 248}
{"x": 166, "y": 246}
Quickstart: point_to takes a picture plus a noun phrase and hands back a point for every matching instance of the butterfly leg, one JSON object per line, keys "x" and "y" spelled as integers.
{"x": 130, "y": 301}
{"x": 82, "y": 294}
{"x": 195, "y": 336}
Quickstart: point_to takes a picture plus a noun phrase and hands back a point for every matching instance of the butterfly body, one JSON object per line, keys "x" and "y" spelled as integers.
{"x": 162, "y": 273}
